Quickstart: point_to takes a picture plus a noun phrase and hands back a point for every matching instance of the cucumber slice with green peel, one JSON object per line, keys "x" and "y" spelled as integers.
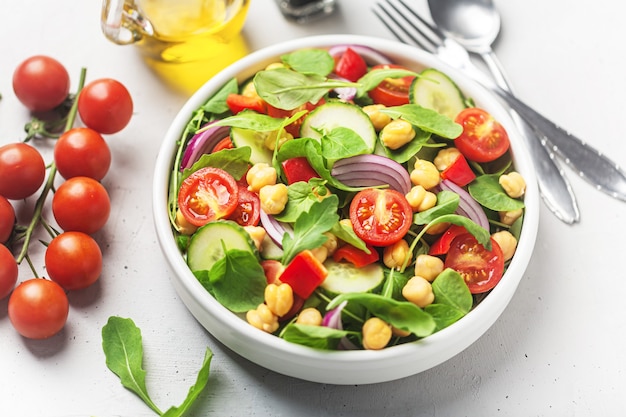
{"x": 343, "y": 277}
{"x": 270, "y": 250}
{"x": 255, "y": 140}
{"x": 208, "y": 243}
{"x": 436, "y": 91}
{"x": 336, "y": 114}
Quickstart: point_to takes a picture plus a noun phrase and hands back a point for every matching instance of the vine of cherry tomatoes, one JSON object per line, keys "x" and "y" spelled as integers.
{"x": 38, "y": 307}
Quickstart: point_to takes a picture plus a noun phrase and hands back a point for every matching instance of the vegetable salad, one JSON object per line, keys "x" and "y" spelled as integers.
{"x": 341, "y": 201}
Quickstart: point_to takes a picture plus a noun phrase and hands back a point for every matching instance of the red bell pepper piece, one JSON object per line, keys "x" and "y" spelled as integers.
{"x": 351, "y": 66}
{"x": 298, "y": 169}
{"x": 459, "y": 172}
{"x": 238, "y": 102}
{"x": 304, "y": 274}
{"x": 442, "y": 245}
{"x": 356, "y": 256}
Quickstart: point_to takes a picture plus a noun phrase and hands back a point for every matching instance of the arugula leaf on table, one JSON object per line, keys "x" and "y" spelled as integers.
{"x": 309, "y": 229}
{"x": 122, "y": 345}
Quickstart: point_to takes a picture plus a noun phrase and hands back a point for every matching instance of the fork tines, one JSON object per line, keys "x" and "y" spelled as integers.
{"x": 395, "y": 15}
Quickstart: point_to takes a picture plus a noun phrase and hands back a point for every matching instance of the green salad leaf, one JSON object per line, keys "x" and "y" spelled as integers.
{"x": 489, "y": 193}
{"x": 310, "y": 61}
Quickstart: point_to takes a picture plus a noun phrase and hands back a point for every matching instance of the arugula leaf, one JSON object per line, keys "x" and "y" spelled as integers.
{"x": 318, "y": 337}
{"x": 453, "y": 299}
{"x": 217, "y": 103}
{"x": 309, "y": 229}
{"x": 194, "y": 391}
{"x": 300, "y": 197}
{"x": 237, "y": 281}
{"x": 342, "y": 142}
{"x": 235, "y": 161}
{"x": 374, "y": 77}
{"x": 310, "y": 61}
{"x": 287, "y": 89}
{"x": 426, "y": 119}
{"x": 121, "y": 342}
{"x": 481, "y": 234}
{"x": 489, "y": 193}
{"x": 400, "y": 314}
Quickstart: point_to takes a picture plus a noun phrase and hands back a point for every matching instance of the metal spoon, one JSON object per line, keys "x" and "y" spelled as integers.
{"x": 475, "y": 24}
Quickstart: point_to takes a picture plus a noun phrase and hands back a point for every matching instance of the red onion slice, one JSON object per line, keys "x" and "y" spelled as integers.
{"x": 468, "y": 207}
{"x": 372, "y": 167}
{"x": 202, "y": 143}
{"x": 344, "y": 93}
{"x": 275, "y": 229}
{"x": 371, "y": 56}
{"x": 332, "y": 319}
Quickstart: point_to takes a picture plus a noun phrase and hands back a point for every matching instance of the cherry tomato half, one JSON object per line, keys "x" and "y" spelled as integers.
{"x": 73, "y": 260}
{"x": 38, "y": 308}
{"x": 81, "y": 204}
{"x": 207, "y": 194}
{"x": 481, "y": 269}
{"x": 82, "y": 152}
{"x": 380, "y": 217}
{"x": 392, "y": 91}
{"x": 105, "y": 106}
{"x": 483, "y": 139}
{"x": 248, "y": 209}
{"x": 7, "y": 219}
{"x": 41, "y": 83}
{"x": 22, "y": 170}
{"x": 8, "y": 271}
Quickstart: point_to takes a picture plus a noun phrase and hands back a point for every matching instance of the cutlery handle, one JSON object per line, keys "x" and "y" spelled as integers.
{"x": 592, "y": 165}
{"x": 555, "y": 190}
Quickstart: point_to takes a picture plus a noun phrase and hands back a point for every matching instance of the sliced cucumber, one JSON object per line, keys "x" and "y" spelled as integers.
{"x": 435, "y": 90}
{"x": 255, "y": 140}
{"x": 207, "y": 244}
{"x": 338, "y": 114}
{"x": 343, "y": 277}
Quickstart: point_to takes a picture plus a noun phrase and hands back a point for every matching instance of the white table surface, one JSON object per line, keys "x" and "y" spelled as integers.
{"x": 559, "y": 349}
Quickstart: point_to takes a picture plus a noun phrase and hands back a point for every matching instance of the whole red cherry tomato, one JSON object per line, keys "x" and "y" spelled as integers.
{"x": 82, "y": 152}
{"x": 41, "y": 83}
{"x": 22, "y": 171}
{"x": 81, "y": 204}
{"x": 105, "y": 106}
{"x": 73, "y": 260}
{"x": 7, "y": 219}
{"x": 8, "y": 271}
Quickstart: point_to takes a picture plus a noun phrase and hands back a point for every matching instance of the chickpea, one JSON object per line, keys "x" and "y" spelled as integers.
{"x": 396, "y": 255}
{"x": 513, "y": 184}
{"x": 418, "y": 291}
{"x": 509, "y": 217}
{"x": 279, "y": 298}
{"x": 437, "y": 229}
{"x": 428, "y": 267}
{"x": 260, "y": 175}
{"x": 507, "y": 242}
{"x": 275, "y": 65}
{"x": 263, "y": 319}
{"x": 249, "y": 90}
{"x": 445, "y": 158}
{"x": 425, "y": 173}
{"x": 331, "y": 243}
{"x": 257, "y": 234}
{"x": 419, "y": 199}
{"x": 184, "y": 227}
{"x": 310, "y": 316}
{"x": 273, "y": 198}
{"x": 397, "y": 133}
{"x": 320, "y": 253}
{"x": 399, "y": 332}
{"x": 272, "y": 139}
{"x": 376, "y": 334}
{"x": 378, "y": 118}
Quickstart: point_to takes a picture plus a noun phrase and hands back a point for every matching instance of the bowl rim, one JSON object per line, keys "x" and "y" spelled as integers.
{"x": 238, "y": 335}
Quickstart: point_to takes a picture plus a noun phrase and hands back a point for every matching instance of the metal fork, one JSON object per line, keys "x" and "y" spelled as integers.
{"x": 591, "y": 164}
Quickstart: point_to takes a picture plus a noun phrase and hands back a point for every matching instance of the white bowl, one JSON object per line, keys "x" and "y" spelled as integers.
{"x": 341, "y": 367}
